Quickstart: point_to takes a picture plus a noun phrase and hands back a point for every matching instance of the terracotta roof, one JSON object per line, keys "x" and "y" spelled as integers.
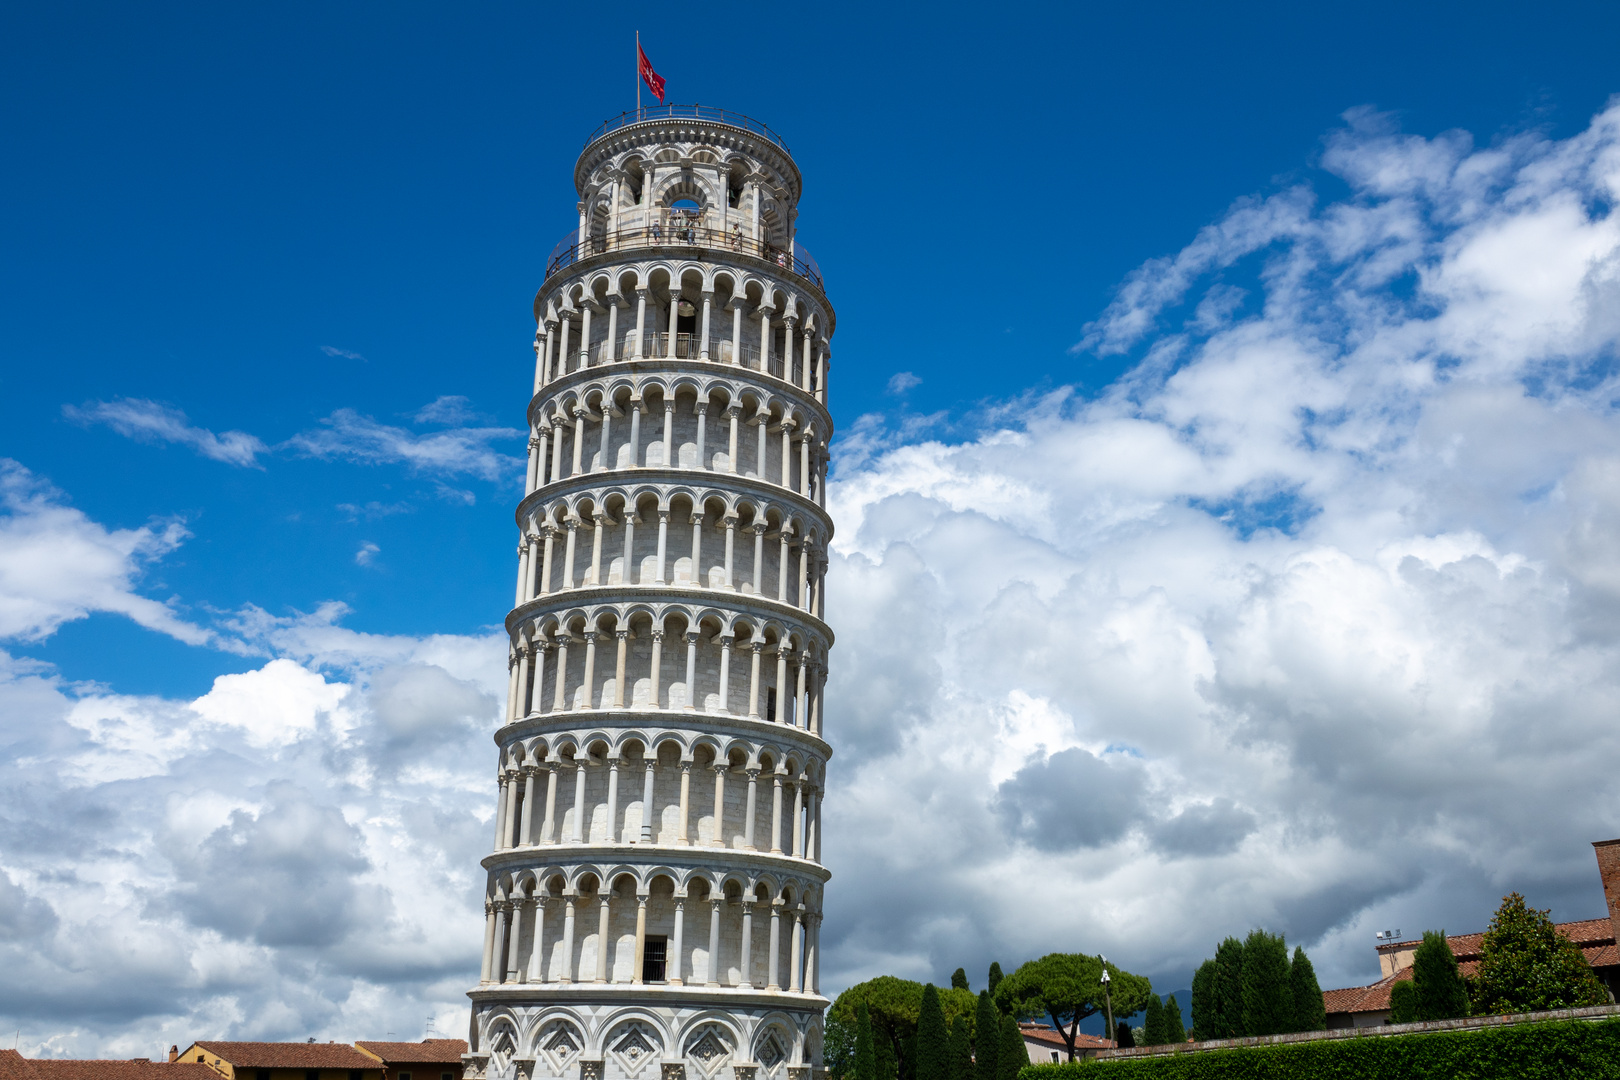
{"x": 1043, "y": 1034}
{"x": 1584, "y": 932}
{"x": 426, "y": 1052}
{"x": 288, "y": 1055}
{"x": 13, "y": 1066}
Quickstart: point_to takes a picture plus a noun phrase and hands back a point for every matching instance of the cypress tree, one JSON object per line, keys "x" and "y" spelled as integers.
{"x": 1153, "y": 1025}
{"x": 888, "y": 1060}
{"x": 995, "y": 976}
{"x": 1228, "y": 991}
{"x": 1011, "y": 1056}
{"x": 1174, "y": 1030}
{"x": 960, "y": 1050}
{"x": 1203, "y": 1001}
{"x": 908, "y": 1056}
{"x": 1441, "y": 993}
{"x": 1123, "y": 1039}
{"x": 1310, "y": 1012}
{"x": 865, "y": 1052}
{"x": 959, "y": 979}
{"x": 1268, "y": 1000}
{"x": 933, "y": 1052}
{"x": 986, "y": 1038}
{"x": 1403, "y": 1002}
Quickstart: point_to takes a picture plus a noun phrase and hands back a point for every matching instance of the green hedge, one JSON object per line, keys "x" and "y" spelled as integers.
{"x": 1555, "y": 1051}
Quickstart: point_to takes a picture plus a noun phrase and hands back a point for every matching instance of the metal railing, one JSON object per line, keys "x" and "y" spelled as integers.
{"x": 686, "y": 238}
{"x": 687, "y": 112}
{"x": 656, "y": 347}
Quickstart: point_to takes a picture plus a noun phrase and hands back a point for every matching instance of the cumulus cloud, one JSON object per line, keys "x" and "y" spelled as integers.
{"x": 351, "y": 436}
{"x": 293, "y": 853}
{"x": 153, "y": 422}
{"x": 366, "y": 554}
{"x": 57, "y": 565}
{"x": 1310, "y": 621}
{"x": 901, "y": 381}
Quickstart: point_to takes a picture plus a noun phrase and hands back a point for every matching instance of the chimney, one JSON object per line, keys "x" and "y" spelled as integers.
{"x": 1608, "y": 857}
{"x": 174, "y": 1052}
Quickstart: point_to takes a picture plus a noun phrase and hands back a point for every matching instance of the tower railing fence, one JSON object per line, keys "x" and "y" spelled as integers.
{"x": 687, "y": 239}
{"x": 687, "y": 347}
{"x": 687, "y": 112}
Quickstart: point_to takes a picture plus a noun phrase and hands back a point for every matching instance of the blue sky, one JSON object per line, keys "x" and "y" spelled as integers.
{"x": 265, "y": 282}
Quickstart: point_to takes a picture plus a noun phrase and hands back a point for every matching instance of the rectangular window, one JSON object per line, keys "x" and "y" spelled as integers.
{"x": 652, "y": 965}
{"x": 261, "y": 1074}
{"x": 404, "y": 1076}
{"x": 1054, "y": 1055}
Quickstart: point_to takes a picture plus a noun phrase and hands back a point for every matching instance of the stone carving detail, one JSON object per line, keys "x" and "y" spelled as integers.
{"x": 799, "y": 1072}
{"x": 673, "y": 1070}
{"x": 635, "y": 1044}
{"x": 744, "y": 1072}
{"x": 770, "y": 1053}
{"x": 503, "y": 1047}
{"x": 709, "y": 1048}
{"x": 590, "y": 1070}
{"x": 559, "y": 1041}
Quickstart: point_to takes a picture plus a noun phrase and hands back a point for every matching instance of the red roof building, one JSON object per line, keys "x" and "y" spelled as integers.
{"x": 430, "y": 1059}
{"x": 13, "y": 1066}
{"x": 282, "y": 1061}
{"x": 1368, "y": 1006}
{"x": 1044, "y": 1044}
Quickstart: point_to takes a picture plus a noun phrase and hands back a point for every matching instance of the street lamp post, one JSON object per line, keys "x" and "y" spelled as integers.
{"x": 1108, "y": 1000}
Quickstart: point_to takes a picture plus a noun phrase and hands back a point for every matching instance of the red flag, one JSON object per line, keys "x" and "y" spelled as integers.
{"x": 654, "y": 81}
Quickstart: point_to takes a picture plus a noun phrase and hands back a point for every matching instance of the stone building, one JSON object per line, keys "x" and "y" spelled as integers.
{"x": 655, "y": 889}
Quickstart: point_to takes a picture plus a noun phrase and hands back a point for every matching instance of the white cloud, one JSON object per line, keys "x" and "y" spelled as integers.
{"x": 1311, "y": 621}
{"x": 151, "y": 421}
{"x": 57, "y": 565}
{"x": 346, "y": 354}
{"x": 901, "y": 381}
{"x": 447, "y": 409}
{"x": 366, "y": 554}
{"x": 348, "y": 435}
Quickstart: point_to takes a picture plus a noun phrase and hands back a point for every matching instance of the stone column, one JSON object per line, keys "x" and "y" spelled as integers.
{"x": 635, "y": 433}
{"x": 752, "y": 811}
{"x": 701, "y": 409}
{"x": 801, "y": 708}
{"x": 498, "y": 973}
{"x": 761, "y": 526}
{"x": 535, "y": 701}
{"x": 686, "y": 803}
{"x": 725, "y": 672}
{"x": 610, "y": 350}
{"x": 708, "y": 299}
{"x": 522, "y": 694}
{"x": 736, "y": 330}
{"x": 525, "y": 830}
{"x": 500, "y": 811}
{"x": 548, "y": 829}
{"x": 781, "y": 682}
{"x": 697, "y": 547}
{"x": 568, "y": 553}
{"x": 559, "y": 697}
{"x": 764, "y": 339}
{"x": 537, "y": 952}
{"x": 604, "y": 448}
{"x": 619, "y": 673}
{"x": 636, "y": 976}
{"x": 669, "y": 431}
{"x": 786, "y": 537}
{"x": 747, "y": 943}
{"x": 545, "y": 566}
{"x": 489, "y": 941}
{"x": 562, "y": 350}
{"x": 602, "y": 938}
{"x": 753, "y": 680}
{"x": 514, "y": 973}
{"x": 720, "y": 770}
{"x": 579, "y": 440}
{"x": 691, "y": 670}
{"x": 568, "y": 940}
{"x": 523, "y": 571}
{"x": 732, "y": 412}
{"x": 641, "y": 323}
{"x": 731, "y": 548}
{"x": 789, "y": 322}
{"x": 647, "y": 818}
{"x": 798, "y": 820}
{"x": 776, "y": 813}
{"x": 663, "y": 545}
{"x": 655, "y": 674}
{"x": 795, "y": 956}
{"x": 674, "y": 318}
{"x": 588, "y": 698}
{"x": 613, "y": 801}
{"x": 585, "y": 335}
{"x": 713, "y": 973}
{"x": 558, "y": 427}
{"x": 672, "y": 970}
{"x": 579, "y": 801}
{"x": 772, "y": 982}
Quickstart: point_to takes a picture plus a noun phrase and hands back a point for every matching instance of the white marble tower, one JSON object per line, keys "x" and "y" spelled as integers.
{"x": 655, "y": 889}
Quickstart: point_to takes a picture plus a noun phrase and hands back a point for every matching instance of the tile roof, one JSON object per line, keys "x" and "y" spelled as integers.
{"x": 289, "y": 1055}
{"x": 13, "y": 1066}
{"x": 426, "y": 1052}
{"x": 1594, "y": 936}
{"x": 1043, "y": 1034}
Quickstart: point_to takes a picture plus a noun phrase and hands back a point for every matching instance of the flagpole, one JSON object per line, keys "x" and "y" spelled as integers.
{"x": 638, "y": 74}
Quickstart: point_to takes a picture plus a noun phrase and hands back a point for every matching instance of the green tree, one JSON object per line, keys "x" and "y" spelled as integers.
{"x": 1174, "y": 1030}
{"x": 865, "y": 1049}
{"x": 959, "y": 979}
{"x": 1403, "y": 1002}
{"x": 1122, "y": 1035}
{"x": 838, "y": 1049}
{"x": 1310, "y": 1012}
{"x": 1153, "y": 1022}
{"x": 1526, "y": 965}
{"x": 959, "y": 1049}
{"x": 1228, "y": 1018}
{"x": 1441, "y": 992}
{"x": 986, "y": 1038}
{"x": 1203, "y": 1000}
{"x": 1268, "y": 1001}
{"x": 1010, "y": 1055}
{"x": 896, "y": 1005}
{"x": 933, "y": 1053}
{"x": 995, "y": 976}
{"x": 1067, "y": 987}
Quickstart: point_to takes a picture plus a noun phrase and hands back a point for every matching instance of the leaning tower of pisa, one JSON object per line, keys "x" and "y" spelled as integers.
{"x": 655, "y": 888}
